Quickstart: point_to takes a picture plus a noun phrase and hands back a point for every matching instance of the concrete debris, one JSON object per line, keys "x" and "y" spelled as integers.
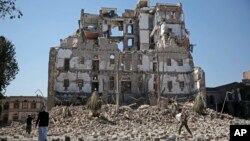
{"x": 145, "y": 123}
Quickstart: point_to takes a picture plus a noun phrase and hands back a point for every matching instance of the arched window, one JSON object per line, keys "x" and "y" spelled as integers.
{"x": 6, "y": 106}
{"x": 130, "y": 29}
{"x": 130, "y": 42}
{"x": 33, "y": 104}
{"x": 16, "y": 104}
{"x": 25, "y": 104}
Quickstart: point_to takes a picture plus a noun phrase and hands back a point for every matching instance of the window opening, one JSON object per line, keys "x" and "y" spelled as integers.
{"x": 66, "y": 64}
{"x": 16, "y": 104}
{"x": 170, "y": 86}
{"x": 111, "y": 83}
{"x": 33, "y": 105}
{"x": 181, "y": 83}
{"x": 169, "y": 63}
{"x": 25, "y": 104}
{"x": 80, "y": 83}
{"x": 154, "y": 66}
{"x": 112, "y": 59}
{"x": 130, "y": 29}
{"x": 66, "y": 84}
{"x": 6, "y": 106}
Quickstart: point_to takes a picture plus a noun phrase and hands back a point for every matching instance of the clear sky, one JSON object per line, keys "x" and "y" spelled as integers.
{"x": 219, "y": 28}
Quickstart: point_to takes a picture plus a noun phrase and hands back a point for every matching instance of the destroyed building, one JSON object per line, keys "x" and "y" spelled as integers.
{"x": 154, "y": 56}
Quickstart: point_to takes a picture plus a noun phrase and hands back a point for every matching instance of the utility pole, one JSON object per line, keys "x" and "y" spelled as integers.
{"x": 158, "y": 79}
{"x": 226, "y": 97}
{"x": 117, "y": 83}
{"x": 43, "y": 98}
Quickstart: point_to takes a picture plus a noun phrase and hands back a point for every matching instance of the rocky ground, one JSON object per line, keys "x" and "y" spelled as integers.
{"x": 144, "y": 123}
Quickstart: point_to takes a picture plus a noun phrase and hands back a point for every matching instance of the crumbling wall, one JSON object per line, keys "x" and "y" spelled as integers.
{"x": 80, "y": 63}
{"x": 145, "y": 66}
{"x": 144, "y": 30}
{"x": 199, "y": 79}
{"x": 155, "y": 44}
{"x": 51, "y": 78}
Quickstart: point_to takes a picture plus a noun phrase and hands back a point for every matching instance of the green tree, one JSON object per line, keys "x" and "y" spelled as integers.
{"x": 8, "y": 64}
{"x": 8, "y": 7}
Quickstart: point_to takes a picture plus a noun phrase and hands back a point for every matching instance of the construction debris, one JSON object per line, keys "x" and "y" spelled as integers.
{"x": 145, "y": 123}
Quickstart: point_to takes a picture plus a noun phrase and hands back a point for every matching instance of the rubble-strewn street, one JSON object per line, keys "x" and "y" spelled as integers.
{"x": 144, "y": 123}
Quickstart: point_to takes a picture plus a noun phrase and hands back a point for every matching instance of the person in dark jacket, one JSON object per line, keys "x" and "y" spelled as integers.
{"x": 29, "y": 124}
{"x": 43, "y": 120}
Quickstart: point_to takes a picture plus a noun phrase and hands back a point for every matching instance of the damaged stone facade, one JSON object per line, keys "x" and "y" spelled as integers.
{"x": 154, "y": 56}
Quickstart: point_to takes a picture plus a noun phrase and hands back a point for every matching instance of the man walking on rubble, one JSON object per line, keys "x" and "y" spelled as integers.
{"x": 179, "y": 115}
{"x": 43, "y": 120}
{"x": 182, "y": 119}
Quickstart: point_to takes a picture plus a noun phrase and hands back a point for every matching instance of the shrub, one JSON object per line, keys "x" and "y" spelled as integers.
{"x": 94, "y": 104}
{"x": 199, "y": 104}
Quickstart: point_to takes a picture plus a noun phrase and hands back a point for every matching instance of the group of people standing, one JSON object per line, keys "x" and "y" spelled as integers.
{"x": 42, "y": 122}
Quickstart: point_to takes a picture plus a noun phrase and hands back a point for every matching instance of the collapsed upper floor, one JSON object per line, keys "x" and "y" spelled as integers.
{"x": 143, "y": 28}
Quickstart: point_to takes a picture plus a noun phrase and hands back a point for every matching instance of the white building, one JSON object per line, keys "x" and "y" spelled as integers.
{"x": 155, "y": 56}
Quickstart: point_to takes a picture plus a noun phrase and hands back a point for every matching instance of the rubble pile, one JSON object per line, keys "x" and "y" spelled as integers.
{"x": 144, "y": 123}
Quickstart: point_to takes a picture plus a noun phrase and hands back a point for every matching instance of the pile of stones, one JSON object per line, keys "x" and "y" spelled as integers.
{"x": 143, "y": 123}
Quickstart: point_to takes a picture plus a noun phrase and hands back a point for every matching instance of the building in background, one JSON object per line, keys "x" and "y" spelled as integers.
{"x": 232, "y": 98}
{"x": 17, "y": 108}
{"x": 144, "y": 51}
